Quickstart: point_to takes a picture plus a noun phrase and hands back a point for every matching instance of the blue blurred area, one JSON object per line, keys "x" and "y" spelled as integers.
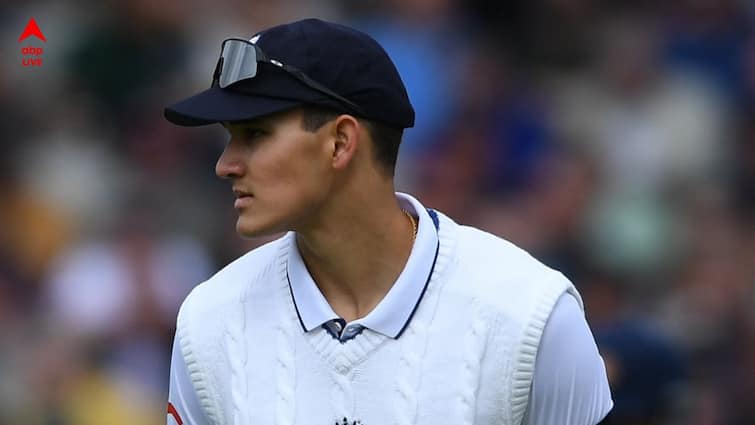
{"x": 614, "y": 140}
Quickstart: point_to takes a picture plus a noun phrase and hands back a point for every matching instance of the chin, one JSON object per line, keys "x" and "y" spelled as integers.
{"x": 249, "y": 229}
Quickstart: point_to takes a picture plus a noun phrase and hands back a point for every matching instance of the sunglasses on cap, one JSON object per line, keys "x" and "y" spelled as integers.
{"x": 238, "y": 62}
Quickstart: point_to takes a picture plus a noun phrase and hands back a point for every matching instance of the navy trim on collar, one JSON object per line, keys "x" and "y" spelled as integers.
{"x": 293, "y": 298}
{"x": 434, "y": 216}
{"x": 427, "y": 282}
{"x": 383, "y": 319}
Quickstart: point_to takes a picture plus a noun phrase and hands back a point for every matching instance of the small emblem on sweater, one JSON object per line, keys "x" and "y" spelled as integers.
{"x": 345, "y": 421}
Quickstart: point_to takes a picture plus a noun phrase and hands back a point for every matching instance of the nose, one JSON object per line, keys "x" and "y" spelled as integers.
{"x": 230, "y": 164}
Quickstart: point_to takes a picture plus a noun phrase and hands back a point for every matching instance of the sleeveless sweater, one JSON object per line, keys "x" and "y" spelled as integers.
{"x": 466, "y": 357}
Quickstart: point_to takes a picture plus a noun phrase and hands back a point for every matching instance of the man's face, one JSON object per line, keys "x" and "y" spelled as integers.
{"x": 280, "y": 172}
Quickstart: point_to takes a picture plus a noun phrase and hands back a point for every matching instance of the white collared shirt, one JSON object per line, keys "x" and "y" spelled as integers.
{"x": 394, "y": 311}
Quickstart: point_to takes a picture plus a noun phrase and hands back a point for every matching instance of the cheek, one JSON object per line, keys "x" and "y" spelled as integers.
{"x": 292, "y": 178}
{"x": 308, "y": 182}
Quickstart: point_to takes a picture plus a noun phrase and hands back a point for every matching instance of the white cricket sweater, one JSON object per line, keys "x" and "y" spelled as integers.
{"x": 467, "y": 355}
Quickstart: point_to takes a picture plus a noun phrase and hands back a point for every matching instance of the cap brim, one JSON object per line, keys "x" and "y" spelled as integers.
{"x": 216, "y": 105}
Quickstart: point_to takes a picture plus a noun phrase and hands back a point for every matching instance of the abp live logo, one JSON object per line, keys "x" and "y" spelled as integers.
{"x": 31, "y": 55}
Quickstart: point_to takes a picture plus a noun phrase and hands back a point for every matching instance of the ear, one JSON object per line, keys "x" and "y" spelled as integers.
{"x": 347, "y": 132}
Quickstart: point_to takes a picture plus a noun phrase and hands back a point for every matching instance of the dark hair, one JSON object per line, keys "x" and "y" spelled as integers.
{"x": 386, "y": 139}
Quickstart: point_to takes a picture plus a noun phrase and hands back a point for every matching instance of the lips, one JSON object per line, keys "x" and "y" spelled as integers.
{"x": 243, "y": 198}
{"x": 240, "y": 193}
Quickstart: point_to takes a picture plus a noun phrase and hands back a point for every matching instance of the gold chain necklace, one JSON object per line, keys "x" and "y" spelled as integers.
{"x": 414, "y": 223}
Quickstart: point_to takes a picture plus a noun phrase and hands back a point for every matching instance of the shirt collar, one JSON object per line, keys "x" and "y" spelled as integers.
{"x": 393, "y": 313}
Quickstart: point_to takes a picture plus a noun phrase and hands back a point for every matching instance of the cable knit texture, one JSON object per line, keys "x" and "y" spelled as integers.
{"x": 205, "y": 394}
{"x": 236, "y": 353}
{"x": 414, "y": 342}
{"x": 474, "y": 348}
{"x": 466, "y": 357}
{"x": 286, "y": 370}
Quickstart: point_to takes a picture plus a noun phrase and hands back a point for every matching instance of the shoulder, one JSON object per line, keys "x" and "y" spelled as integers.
{"x": 230, "y": 282}
{"x": 499, "y": 273}
{"x": 212, "y": 317}
{"x": 479, "y": 246}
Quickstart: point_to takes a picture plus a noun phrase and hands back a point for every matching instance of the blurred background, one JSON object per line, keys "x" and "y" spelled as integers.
{"x": 614, "y": 140}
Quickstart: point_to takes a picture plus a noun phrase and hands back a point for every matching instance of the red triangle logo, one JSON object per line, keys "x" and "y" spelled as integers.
{"x": 32, "y": 29}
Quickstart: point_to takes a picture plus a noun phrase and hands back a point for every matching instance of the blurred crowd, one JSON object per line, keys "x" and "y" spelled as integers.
{"x": 614, "y": 140}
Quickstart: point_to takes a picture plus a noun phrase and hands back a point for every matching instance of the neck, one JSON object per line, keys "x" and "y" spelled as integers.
{"x": 357, "y": 253}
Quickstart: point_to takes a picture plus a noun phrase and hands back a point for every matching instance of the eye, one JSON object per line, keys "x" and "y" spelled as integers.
{"x": 252, "y": 133}
{"x": 246, "y": 134}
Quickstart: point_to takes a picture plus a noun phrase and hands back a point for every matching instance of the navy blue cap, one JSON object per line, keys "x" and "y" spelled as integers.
{"x": 346, "y": 61}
